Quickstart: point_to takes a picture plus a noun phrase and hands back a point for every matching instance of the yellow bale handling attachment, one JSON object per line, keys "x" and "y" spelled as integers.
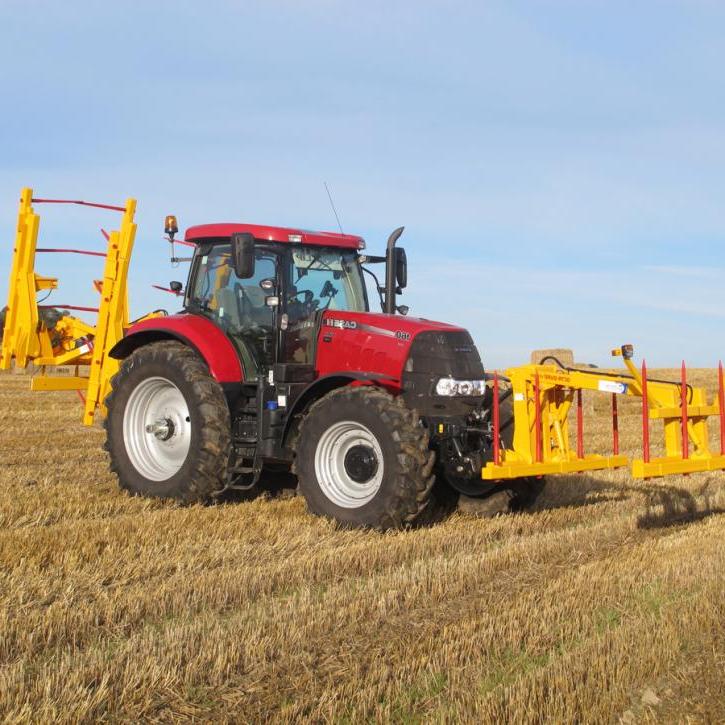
{"x": 68, "y": 341}
{"x": 543, "y": 396}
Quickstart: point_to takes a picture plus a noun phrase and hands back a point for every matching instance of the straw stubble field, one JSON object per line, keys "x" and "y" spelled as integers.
{"x": 604, "y": 603}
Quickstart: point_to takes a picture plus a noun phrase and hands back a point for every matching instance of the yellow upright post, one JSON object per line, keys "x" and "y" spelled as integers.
{"x": 112, "y": 312}
{"x": 69, "y": 340}
{"x": 21, "y": 322}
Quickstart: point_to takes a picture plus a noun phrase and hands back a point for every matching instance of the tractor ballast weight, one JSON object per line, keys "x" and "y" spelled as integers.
{"x": 276, "y": 359}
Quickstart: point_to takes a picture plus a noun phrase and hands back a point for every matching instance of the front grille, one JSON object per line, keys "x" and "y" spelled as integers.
{"x": 445, "y": 354}
{"x": 435, "y": 355}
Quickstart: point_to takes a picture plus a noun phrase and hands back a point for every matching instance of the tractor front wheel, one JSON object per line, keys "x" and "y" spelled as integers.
{"x": 362, "y": 459}
{"x": 168, "y": 428}
{"x": 502, "y": 496}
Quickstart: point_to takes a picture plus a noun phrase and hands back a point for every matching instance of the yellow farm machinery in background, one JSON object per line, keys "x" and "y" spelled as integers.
{"x": 67, "y": 340}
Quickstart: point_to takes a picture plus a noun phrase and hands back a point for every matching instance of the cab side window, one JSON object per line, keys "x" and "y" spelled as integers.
{"x": 239, "y": 306}
{"x": 236, "y": 303}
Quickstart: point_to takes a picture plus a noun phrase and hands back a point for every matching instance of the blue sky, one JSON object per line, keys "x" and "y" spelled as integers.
{"x": 559, "y": 166}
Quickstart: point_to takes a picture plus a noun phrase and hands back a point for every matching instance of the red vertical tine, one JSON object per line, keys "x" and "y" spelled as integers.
{"x": 645, "y": 415}
{"x": 579, "y": 426}
{"x": 615, "y": 425}
{"x": 496, "y": 423}
{"x": 683, "y": 402}
{"x": 537, "y": 418}
{"x": 721, "y": 401}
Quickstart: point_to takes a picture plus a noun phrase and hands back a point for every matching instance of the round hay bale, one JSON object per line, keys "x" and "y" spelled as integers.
{"x": 565, "y": 355}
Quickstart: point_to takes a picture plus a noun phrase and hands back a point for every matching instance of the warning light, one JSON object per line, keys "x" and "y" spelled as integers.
{"x": 170, "y": 226}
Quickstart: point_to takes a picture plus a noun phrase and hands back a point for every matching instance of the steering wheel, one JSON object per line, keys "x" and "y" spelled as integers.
{"x": 299, "y": 310}
{"x": 309, "y": 304}
{"x": 309, "y": 295}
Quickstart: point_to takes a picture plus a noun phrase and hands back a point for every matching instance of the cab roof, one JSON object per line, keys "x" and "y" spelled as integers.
{"x": 224, "y": 230}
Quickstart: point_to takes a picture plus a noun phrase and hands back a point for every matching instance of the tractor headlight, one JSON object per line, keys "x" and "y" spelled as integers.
{"x": 450, "y": 387}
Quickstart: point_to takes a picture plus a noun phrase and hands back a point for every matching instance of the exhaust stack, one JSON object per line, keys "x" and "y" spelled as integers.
{"x": 391, "y": 283}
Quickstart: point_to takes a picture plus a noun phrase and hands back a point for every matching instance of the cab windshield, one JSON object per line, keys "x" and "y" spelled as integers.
{"x": 327, "y": 280}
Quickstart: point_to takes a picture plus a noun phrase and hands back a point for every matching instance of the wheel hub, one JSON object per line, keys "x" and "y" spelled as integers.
{"x": 361, "y": 463}
{"x": 162, "y": 429}
{"x": 157, "y": 428}
{"x": 349, "y": 464}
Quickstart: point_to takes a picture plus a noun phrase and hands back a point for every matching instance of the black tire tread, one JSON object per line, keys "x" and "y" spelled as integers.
{"x": 207, "y": 477}
{"x": 413, "y": 486}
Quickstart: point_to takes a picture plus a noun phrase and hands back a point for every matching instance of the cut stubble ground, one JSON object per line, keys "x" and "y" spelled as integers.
{"x": 604, "y": 603}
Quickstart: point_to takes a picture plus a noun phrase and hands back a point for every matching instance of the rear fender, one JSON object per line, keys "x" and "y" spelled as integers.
{"x": 200, "y": 334}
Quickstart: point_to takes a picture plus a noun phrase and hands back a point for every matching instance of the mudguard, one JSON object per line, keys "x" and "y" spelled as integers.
{"x": 325, "y": 384}
{"x": 213, "y": 346}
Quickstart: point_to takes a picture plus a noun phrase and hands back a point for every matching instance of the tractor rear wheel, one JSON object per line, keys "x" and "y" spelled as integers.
{"x": 362, "y": 459}
{"x": 168, "y": 426}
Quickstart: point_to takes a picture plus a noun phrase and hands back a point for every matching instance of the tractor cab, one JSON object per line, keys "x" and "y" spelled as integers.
{"x": 267, "y": 293}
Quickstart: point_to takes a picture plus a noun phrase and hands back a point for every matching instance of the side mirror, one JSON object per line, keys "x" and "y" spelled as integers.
{"x": 176, "y": 287}
{"x": 401, "y": 268}
{"x": 243, "y": 254}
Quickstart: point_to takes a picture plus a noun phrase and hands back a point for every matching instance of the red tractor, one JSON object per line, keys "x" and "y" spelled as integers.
{"x": 277, "y": 361}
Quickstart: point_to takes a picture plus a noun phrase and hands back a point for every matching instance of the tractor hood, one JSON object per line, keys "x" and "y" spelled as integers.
{"x": 379, "y": 343}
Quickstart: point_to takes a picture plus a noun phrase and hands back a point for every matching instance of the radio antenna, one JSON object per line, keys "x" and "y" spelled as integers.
{"x": 332, "y": 204}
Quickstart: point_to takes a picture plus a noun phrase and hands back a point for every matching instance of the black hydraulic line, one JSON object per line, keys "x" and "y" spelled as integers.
{"x": 603, "y": 374}
{"x": 377, "y": 286}
{"x": 164, "y": 313}
{"x": 502, "y": 378}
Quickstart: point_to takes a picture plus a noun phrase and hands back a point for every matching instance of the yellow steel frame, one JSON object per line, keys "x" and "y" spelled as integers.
{"x": 72, "y": 341}
{"x": 557, "y": 389}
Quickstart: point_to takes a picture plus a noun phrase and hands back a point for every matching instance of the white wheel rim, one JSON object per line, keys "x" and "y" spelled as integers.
{"x": 334, "y": 447}
{"x": 157, "y": 429}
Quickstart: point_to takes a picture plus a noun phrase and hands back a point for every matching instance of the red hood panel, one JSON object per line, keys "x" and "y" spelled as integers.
{"x": 369, "y": 342}
{"x": 361, "y": 342}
